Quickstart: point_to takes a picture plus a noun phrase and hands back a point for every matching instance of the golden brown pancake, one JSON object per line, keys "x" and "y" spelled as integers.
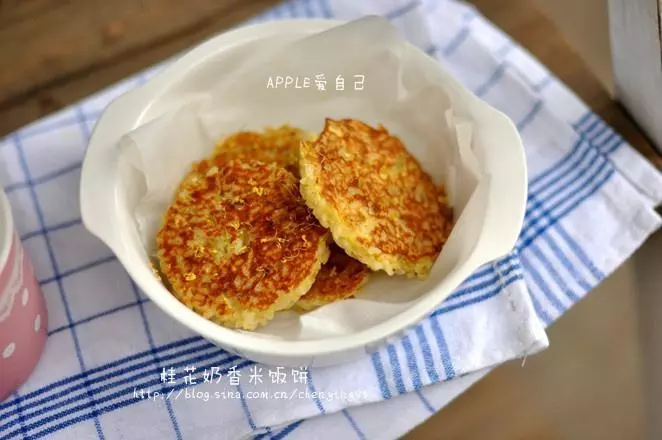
{"x": 341, "y": 277}
{"x": 238, "y": 243}
{"x": 382, "y": 208}
{"x": 274, "y": 145}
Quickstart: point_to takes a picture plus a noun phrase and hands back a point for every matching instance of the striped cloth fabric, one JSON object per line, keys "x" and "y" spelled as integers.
{"x": 115, "y": 367}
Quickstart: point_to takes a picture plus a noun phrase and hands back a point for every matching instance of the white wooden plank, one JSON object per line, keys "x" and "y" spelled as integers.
{"x": 637, "y": 61}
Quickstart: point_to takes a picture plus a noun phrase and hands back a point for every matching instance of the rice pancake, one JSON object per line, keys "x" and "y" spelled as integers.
{"x": 238, "y": 242}
{"x": 380, "y": 205}
{"x": 341, "y": 277}
{"x": 274, "y": 145}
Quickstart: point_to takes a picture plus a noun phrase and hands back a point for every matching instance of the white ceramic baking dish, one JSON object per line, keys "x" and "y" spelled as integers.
{"x": 107, "y": 193}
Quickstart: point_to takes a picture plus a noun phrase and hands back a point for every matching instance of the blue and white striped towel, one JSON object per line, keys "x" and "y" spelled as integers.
{"x": 590, "y": 206}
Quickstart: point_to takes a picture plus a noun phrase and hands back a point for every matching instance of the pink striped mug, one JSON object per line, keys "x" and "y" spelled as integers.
{"x": 23, "y": 319}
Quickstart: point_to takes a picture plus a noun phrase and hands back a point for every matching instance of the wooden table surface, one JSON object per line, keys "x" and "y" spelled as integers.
{"x": 55, "y": 52}
{"x": 60, "y": 51}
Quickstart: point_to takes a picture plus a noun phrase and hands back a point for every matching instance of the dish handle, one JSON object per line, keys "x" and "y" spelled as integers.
{"x": 99, "y": 175}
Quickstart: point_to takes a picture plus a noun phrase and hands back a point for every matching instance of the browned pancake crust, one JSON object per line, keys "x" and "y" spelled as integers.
{"x": 379, "y": 204}
{"x": 238, "y": 243}
{"x": 341, "y": 277}
{"x": 273, "y": 145}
